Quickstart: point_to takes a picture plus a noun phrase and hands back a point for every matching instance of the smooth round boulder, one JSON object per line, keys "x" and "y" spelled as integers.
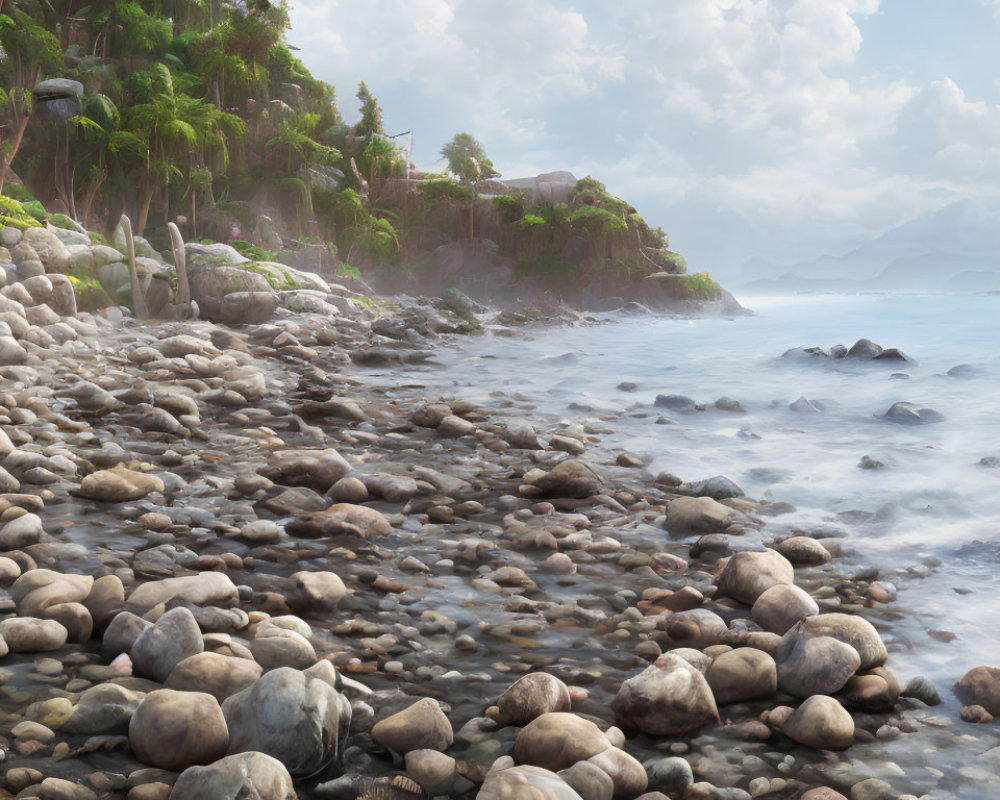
{"x": 433, "y": 770}
{"x": 589, "y": 780}
{"x": 105, "y": 708}
{"x": 524, "y": 782}
{"x": 323, "y": 589}
{"x": 243, "y": 776}
{"x": 173, "y": 637}
{"x": 856, "y": 631}
{"x": 106, "y": 599}
{"x": 696, "y": 628}
{"x": 809, "y": 665}
{"x": 32, "y": 635}
{"x": 803, "y": 551}
{"x": 204, "y": 589}
{"x": 176, "y": 730}
{"x": 697, "y": 515}
{"x": 742, "y": 674}
{"x": 558, "y": 740}
{"x": 780, "y": 607}
{"x": 626, "y": 773}
{"x": 668, "y": 698}
{"x": 218, "y": 675}
{"x": 570, "y": 478}
{"x": 820, "y": 722}
{"x": 421, "y": 726}
{"x": 300, "y": 720}
{"x": 340, "y": 519}
{"x": 316, "y": 469}
{"x": 747, "y": 575}
{"x": 275, "y": 646}
{"x": 531, "y": 696}
{"x": 121, "y": 633}
{"x": 980, "y": 686}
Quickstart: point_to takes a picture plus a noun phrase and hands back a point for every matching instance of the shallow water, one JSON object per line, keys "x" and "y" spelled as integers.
{"x": 933, "y": 502}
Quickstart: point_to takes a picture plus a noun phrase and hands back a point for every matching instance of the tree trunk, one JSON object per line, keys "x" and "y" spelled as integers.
{"x": 88, "y": 200}
{"x": 147, "y": 201}
{"x": 8, "y": 159}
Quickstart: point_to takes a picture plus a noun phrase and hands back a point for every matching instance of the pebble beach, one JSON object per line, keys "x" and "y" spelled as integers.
{"x": 247, "y": 561}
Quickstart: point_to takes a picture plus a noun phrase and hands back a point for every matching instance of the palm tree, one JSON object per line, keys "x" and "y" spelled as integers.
{"x": 175, "y": 128}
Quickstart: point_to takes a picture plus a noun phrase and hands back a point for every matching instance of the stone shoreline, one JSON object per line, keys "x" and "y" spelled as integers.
{"x": 239, "y": 548}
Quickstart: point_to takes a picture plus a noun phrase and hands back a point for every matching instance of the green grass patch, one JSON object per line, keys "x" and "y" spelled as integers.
{"x": 700, "y": 286}
{"x": 14, "y": 215}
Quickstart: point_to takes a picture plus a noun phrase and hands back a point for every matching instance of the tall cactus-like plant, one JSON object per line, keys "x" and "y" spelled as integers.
{"x": 140, "y": 308}
{"x": 182, "y": 300}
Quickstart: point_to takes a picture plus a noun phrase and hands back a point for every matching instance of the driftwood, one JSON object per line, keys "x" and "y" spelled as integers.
{"x": 140, "y": 308}
{"x": 183, "y": 308}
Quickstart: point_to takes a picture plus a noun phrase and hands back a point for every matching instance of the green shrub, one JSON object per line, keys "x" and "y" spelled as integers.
{"x": 347, "y": 271}
{"x": 673, "y": 262}
{"x": 530, "y": 222}
{"x": 597, "y": 220}
{"x": 511, "y": 208}
{"x": 252, "y": 251}
{"x": 18, "y": 193}
{"x": 13, "y": 214}
{"x": 436, "y": 188}
{"x": 700, "y": 286}
{"x": 62, "y": 221}
{"x": 35, "y": 209}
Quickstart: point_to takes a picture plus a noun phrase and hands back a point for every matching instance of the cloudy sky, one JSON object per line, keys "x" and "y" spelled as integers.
{"x": 779, "y": 129}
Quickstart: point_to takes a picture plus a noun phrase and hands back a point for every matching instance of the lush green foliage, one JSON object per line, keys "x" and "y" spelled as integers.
{"x": 467, "y": 159}
{"x": 193, "y": 108}
{"x": 436, "y": 188}
{"x": 13, "y": 214}
{"x": 700, "y": 286}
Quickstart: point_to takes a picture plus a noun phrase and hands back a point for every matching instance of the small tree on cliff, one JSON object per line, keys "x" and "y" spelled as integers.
{"x": 467, "y": 159}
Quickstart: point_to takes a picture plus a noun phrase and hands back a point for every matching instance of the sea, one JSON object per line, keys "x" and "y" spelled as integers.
{"x": 916, "y": 506}
{"x": 926, "y": 518}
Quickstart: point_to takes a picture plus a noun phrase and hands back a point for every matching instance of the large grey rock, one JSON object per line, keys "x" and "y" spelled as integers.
{"x": 912, "y": 414}
{"x": 668, "y": 698}
{"x": 856, "y": 631}
{"x": 244, "y": 776}
{"x": 697, "y": 515}
{"x": 525, "y": 781}
{"x": 300, "y": 721}
{"x": 558, "y": 740}
{"x": 809, "y": 664}
{"x": 51, "y": 251}
{"x": 748, "y": 575}
{"x": 105, "y": 708}
{"x": 742, "y": 674}
{"x": 206, "y": 256}
{"x": 421, "y": 726}
{"x": 980, "y": 686}
{"x": 174, "y": 637}
{"x": 781, "y": 606}
{"x": 317, "y": 469}
{"x": 206, "y": 588}
{"x": 210, "y": 285}
{"x": 246, "y": 308}
{"x": 531, "y": 696}
{"x": 820, "y": 722}
{"x": 176, "y": 730}
{"x": 570, "y": 478}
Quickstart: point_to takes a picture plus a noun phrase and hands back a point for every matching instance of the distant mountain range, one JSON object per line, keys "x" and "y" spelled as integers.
{"x": 955, "y": 249}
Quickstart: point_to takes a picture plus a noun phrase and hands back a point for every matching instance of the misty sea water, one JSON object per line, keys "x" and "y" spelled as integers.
{"x": 929, "y": 520}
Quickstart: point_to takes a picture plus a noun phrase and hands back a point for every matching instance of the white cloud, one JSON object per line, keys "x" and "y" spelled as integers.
{"x": 753, "y": 109}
